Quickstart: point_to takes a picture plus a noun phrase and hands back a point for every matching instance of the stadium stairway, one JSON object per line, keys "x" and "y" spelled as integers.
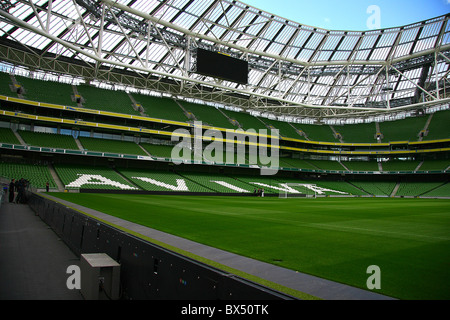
{"x": 425, "y": 128}
{"x": 145, "y": 151}
{"x": 345, "y": 167}
{"x": 22, "y": 142}
{"x": 55, "y": 177}
{"x": 79, "y": 145}
{"x": 130, "y": 182}
{"x": 418, "y": 166}
{"x": 395, "y": 189}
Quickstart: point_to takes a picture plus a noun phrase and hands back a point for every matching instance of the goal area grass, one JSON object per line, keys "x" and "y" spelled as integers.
{"x": 332, "y": 238}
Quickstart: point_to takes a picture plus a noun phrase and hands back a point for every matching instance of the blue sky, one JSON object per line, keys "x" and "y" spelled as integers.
{"x": 352, "y": 14}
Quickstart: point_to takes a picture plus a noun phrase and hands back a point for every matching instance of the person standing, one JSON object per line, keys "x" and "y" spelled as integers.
{"x": 12, "y": 185}
{"x": 47, "y": 186}
{"x": 20, "y": 191}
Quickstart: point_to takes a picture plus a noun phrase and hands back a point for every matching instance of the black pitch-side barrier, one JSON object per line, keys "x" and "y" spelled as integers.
{"x": 147, "y": 271}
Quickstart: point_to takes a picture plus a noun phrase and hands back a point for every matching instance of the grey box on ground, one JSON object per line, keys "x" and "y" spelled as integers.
{"x": 100, "y": 277}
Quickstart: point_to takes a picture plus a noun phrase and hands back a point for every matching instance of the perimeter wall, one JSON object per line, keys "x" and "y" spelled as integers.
{"x": 148, "y": 271}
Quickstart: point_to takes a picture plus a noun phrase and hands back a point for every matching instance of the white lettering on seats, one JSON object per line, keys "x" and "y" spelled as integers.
{"x": 180, "y": 186}
{"x": 96, "y": 179}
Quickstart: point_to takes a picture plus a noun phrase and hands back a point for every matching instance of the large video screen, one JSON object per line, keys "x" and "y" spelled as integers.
{"x": 221, "y": 66}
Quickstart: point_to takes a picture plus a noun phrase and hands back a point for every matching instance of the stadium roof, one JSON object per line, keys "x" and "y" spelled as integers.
{"x": 294, "y": 69}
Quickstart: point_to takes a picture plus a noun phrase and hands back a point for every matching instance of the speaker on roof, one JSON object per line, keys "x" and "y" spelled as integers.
{"x": 221, "y": 66}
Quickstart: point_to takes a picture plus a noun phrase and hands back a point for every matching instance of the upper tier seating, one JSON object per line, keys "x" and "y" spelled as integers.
{"x": 357, "y": 133}
{"x": 316, "y": 132}
{"x": 107, "y": 100}
{"x": 402, "y": 130}
{"x": 160, "y": 108}
{"x": 47, "y": 91}
{"x": 207, "y": 115}
{"x": 5, "y": 83}
{"x": 246, "y": 120}
{"x": 409, "y": 129}
{"x": 285, "y": 129}
{"x": 438, "y": 127}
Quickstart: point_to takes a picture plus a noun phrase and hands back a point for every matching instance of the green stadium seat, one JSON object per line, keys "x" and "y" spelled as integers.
{"x": 37, "y": 175}
{"x": 111, "y": 146}
{"x": 438, "y": 127}
{"x": 152, "y": 180}
{"x": 76, "y": 177}
{"x": 116, "y": 101}
{"x": 47, "y": 91}
{"x": 208, "y": 115}
{"x": 416, "y": 188}
{"x": 49, "y": 140}
{"x": 8, "y": 136}
{"x": 160, "y": 107}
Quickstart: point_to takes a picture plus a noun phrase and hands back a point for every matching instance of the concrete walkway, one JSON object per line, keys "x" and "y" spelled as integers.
{"x": 33, "y": 260}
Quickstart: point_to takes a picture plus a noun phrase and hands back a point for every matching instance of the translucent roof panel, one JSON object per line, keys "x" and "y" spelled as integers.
{"x": 289, "y": 63}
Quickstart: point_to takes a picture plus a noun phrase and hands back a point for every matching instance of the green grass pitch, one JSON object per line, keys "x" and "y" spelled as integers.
{"x": 333, "y": 238}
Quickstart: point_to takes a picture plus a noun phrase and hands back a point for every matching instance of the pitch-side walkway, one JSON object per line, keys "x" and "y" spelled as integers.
{"x": 34, "y": 261}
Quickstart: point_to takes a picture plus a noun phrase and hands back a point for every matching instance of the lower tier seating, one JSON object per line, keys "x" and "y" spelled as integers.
{"x": 91, "y": 177}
